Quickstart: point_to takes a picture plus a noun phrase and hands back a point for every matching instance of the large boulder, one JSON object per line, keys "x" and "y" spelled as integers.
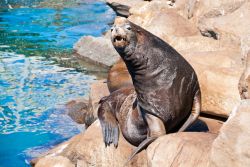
{"x": 121, "y": 7}
{"x": 231, "y": 147}
{"x": 233, "y": 26}
{"x": 84, "y": 111}
{"x": 200, "y": 44}
{"x": 184, "y": 149}
{"x": 88, "y": 149}
{"x": 219, "y": 78}
{"x": 195, "y": 9}
{"x": 165, "y": 23}
{"x": 98, "y": 50}
{"x": 175, "y": 29}
{"x": 55, "y": 161}
{"x": 244, "y": 84}
{"x": 79, "y": 110}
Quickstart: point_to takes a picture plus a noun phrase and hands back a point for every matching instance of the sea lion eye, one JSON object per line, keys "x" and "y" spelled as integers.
{"x": 128, "y": 27}
{"x": 111, "y": 29}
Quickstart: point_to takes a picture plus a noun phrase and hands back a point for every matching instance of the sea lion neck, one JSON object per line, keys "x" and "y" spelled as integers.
{"x": 135, "y": 54}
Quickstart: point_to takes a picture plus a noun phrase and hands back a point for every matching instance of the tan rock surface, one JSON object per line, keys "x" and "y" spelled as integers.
{"x": 54, "y": 162}
{"x": 244, "y": 84}
{"x": 88, "y": 149}
{"x": 194, "y": 9}
{"x": 98, "y": 90}
{"x": 121, "y": 7}
{"x": 231, "y": 147}
{"x": 98, "y": 50}
{"x": 79, "y": 110}
{"x": 185, "y": 149}
{"x": 201, "y": 44}
{"x": 219, "y": 73}
{"x": 165, "y": 23}
{"x": 234, "y": 25}
{"x": 84, "y": 111}
{"x": 219, "y": 88}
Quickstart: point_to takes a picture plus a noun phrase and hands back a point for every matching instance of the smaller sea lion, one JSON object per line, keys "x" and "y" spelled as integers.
{"x": 119, "y": 109}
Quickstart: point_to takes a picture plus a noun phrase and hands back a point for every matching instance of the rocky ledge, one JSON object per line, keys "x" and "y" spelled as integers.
{"x": 214, "y": 37}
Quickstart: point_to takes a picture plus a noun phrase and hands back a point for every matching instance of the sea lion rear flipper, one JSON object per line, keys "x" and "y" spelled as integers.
{"x": 194, "y": 113}
{"x": 110, "y": 128}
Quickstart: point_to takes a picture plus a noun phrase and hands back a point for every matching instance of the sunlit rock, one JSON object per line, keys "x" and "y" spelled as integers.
{"x": 231, "y": 147}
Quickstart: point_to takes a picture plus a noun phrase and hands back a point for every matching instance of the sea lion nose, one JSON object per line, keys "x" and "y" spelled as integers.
{"x": 116, "y": 29}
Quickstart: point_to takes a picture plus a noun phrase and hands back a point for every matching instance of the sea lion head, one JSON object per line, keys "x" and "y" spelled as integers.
{"x": 123, "y": 36}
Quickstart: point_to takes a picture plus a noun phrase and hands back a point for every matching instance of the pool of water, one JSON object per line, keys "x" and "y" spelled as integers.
{"x": 33, "y": 86}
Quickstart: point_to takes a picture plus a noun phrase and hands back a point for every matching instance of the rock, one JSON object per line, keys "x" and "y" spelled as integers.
{"x": 169, "y": 23}
{"x": 200, "y": 44}
{"x": 195, "y": 9}
{"x": 98, "y": 90}
{"x": 84, "y": 111}
{"x": 234, "y": 25}
{"x": 221, "y": 59}
{"x": 180, "y": 149}
{"x": 79, "y": 110}
{"x": 143, "y": 10}
{"x": 121, "y": 7}
{"x": 176, "y": 30}
{"x": 218, "y": 73}
{"x": 231, "y": 147}
{"x": 244, "y": 84}
{"x": 98, "y": 50}
{"x": 88, "y": 149}
{"x": 118, "y": 77}
{"x": 54, "y": 161}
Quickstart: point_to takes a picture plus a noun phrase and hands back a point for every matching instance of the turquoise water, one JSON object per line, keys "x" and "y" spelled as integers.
{"x": 33, "y": 86}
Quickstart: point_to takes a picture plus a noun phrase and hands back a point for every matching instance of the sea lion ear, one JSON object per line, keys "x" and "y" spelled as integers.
{"x": 139, "y": 36}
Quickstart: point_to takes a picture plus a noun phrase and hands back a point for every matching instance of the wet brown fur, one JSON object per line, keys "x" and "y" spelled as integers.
{"x": 166, "y": 86}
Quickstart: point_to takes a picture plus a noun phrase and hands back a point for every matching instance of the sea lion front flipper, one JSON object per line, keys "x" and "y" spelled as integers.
{"x": 196, "y": 109}
{"x": 109, "y": 124}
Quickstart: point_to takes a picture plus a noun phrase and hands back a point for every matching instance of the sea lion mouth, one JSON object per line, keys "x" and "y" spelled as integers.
{"x": 119, "y": 38}
{"x": 120, "y": 41}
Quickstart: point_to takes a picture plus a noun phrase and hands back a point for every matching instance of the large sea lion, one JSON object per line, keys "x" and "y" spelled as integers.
{"x": 167, "y": 91}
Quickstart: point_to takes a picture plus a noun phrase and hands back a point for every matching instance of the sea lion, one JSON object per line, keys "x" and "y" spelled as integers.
{"x": 167, "y": 89}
